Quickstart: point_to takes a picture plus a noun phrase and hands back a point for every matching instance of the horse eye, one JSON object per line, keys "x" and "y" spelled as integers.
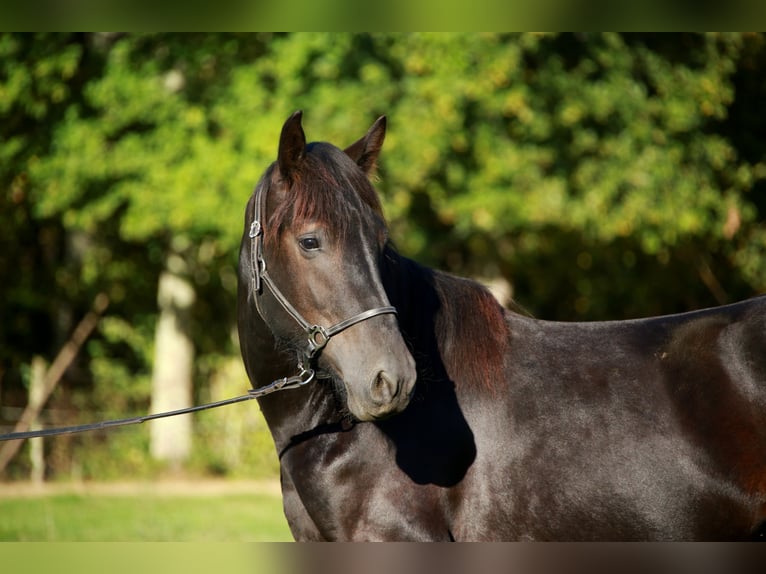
{"x": 309, "y": 243}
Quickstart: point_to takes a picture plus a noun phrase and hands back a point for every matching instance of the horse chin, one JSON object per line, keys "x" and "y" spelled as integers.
{"x": 373, "y": 413}
{"x": 368, "y": 416}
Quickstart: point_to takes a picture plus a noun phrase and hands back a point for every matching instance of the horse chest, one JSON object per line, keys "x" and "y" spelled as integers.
{"x": 344, "y": 487}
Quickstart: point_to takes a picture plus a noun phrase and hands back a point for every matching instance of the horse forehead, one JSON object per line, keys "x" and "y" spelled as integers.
{"x": 328, "y": 152}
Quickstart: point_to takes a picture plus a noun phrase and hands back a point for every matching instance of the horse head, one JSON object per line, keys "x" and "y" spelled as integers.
{"x": 318, "y": 236}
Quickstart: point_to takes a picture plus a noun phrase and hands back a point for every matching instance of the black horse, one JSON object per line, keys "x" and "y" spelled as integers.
{"x": 436, "y": 414}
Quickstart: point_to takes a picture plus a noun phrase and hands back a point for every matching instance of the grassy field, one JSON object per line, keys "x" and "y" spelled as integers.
{"x": 179, "y": 512}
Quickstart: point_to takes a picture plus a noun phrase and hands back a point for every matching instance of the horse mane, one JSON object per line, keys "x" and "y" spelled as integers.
{"x": 326, "y": 188}
{"x": 453, "y": 323}
{"x": 471, "y": 331}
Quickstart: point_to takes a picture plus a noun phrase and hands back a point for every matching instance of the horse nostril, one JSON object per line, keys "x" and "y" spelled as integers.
{"x": 384, "y": 388}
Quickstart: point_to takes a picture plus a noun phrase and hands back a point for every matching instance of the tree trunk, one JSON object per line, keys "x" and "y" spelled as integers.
{"x": 171, "y": 438}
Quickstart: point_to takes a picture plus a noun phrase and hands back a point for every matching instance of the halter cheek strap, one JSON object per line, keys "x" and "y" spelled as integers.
{"x": 317, "y": 335}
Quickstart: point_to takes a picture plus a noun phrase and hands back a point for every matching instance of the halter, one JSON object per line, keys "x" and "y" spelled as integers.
{"x": 317, "y": 335}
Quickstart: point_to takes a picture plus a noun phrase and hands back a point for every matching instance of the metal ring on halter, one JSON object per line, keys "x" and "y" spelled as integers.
{"x": 305, "y": 376}
{"x": 318, "y": 338}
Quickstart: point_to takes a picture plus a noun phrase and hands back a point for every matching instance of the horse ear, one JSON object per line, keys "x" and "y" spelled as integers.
{"x": 292, "y": 144}
{"x": 365, "y": 151}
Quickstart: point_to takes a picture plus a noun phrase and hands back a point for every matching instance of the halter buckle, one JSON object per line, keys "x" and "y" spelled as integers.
{"x": 318, "y": 338}
{"x": 255, "y": 229}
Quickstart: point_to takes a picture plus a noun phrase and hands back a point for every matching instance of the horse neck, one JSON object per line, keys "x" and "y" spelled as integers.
{"x": 456, "y": 328}
{"x": 410, "y": 289}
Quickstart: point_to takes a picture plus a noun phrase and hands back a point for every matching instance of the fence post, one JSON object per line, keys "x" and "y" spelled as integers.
{"x": 36, "y": 401}
{"x": 60, "y": 364}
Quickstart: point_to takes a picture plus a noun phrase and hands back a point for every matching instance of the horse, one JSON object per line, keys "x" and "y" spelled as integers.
{"x": 433, "y": 413}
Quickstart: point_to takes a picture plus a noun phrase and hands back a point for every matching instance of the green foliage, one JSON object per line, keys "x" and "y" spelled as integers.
{"x": 527, "y": 147}
{"x": 603, "y": 175}
{"x": 235, "y": 441}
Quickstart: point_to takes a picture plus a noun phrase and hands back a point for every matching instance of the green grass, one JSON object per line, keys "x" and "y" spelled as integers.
{"x": 127, "y": 518}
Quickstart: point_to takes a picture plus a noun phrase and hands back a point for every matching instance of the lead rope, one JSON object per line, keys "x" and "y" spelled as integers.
{"x": 303, "y": 378}
{"x": 317, "y": 335}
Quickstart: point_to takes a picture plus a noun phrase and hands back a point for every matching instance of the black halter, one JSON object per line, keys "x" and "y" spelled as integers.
{"x": 317, "y": 335}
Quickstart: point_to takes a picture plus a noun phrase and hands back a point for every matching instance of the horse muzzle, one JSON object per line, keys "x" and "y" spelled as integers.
{"x": 383, "y": 394}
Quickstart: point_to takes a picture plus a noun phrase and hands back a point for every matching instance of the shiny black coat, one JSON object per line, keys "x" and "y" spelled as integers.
{"x": 521, "y": 429}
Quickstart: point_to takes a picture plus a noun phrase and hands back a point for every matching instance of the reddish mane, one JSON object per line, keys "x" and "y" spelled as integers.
{"x": 471, "y": 332}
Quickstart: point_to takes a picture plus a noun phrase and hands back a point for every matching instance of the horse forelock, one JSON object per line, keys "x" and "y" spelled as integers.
{"x": 327, "y": 188}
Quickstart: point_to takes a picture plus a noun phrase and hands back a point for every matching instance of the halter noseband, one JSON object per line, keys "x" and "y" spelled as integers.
{"x": 317, "y": 336}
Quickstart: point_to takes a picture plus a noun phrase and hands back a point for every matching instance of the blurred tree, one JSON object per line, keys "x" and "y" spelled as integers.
{"x": 578, "y": 166}
{"x": 40, "y": 76}
{"x": 143, "y": 153}
{"x": 603, "y": 175}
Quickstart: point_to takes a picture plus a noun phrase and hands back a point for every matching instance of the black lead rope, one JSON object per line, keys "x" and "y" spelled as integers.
{"x": 119, "y": 422}
{"x": 317, "y": 336}
{"x": 305, "y": 377}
